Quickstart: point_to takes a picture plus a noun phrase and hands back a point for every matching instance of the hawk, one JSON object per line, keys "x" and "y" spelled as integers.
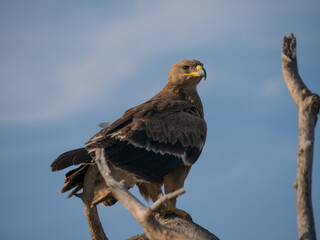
{"x": 153, "y": 144}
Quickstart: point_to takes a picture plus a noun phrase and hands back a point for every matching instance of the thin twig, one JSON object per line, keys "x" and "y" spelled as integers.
{"x": 100, "y": 196}
{"x": 157, "y": 204}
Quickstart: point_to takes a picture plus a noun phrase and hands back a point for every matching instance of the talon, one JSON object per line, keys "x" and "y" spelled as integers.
{"x": 175, "y": 211}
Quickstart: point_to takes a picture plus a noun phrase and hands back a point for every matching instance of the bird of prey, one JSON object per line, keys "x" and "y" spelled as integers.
{"x": 153, "y": 144}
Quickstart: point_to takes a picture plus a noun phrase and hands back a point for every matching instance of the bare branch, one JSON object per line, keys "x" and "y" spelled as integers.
{"x": 308, "y": 105}
{"x": 157, "y": 204}
{"x": 181, "y": 225}
{"x": 154, "y": 230}
{"x": 100, "y": 196}
{"x": 91, "y": 212}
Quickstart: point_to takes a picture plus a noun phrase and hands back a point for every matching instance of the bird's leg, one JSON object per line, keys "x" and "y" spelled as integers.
{"x": 172, "y": 182}
{"x": 151, "y": 190}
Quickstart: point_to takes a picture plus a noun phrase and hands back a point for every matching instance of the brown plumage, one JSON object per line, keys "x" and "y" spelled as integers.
{"x": 153, "y": 144}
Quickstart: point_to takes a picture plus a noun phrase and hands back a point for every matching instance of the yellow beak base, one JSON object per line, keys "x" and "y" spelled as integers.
{"x": 196, "y": 74}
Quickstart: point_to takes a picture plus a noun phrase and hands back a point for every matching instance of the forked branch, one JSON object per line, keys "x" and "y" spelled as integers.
{"x": 308, "y": 105}
{"x": 154, "y": 230}
{"x": 171, "y": 227}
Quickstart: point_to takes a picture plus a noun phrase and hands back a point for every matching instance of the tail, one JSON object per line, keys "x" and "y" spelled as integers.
{"x": 74, "y": 178}
{"x": 67, "y": 159}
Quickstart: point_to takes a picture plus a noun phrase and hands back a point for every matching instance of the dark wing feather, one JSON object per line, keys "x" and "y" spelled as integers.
{"x": 67, "y": 159}
{"x": 154, "y": 138}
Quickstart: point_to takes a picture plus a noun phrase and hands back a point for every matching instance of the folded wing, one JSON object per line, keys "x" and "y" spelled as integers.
{"x": 153, "y": 138}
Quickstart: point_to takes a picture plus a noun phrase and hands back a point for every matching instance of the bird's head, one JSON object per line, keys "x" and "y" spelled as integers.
{"x": 186, "y": 72}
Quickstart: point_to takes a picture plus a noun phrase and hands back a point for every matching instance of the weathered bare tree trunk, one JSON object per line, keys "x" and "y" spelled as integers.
{"x": 308, "y": 105}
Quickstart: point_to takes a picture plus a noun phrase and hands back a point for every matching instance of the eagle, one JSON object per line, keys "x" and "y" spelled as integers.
{"x": 153, "y": 145}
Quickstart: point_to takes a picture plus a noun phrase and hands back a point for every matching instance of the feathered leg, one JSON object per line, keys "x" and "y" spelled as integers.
{"x": 151, "y": 190}
{"x": 172, "y": 182}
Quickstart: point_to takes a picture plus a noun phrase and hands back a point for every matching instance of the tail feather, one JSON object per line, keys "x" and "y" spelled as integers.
{"x": 67, "y": 159}
{"x": 76, "y": 190}
{"x": 75, "y": 177}
{"x": 72, "y": 172}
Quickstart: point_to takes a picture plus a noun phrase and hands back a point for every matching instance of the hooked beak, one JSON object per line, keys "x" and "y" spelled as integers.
{"x": 200, "y": 72}
{"x": 203, "y": 73}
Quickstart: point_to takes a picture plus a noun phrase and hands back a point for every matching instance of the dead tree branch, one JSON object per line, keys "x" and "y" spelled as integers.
{"x": 157, "y": 204}
{"x": 91, "y": 212}
{"x": 308, "y": 105}
{"x": 154, "y": 230}
{"x": 181, "y": 225}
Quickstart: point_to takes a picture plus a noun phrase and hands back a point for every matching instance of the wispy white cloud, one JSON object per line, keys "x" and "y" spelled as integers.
{"x": 271, "y": 88}
{"x": 114, "y": 52}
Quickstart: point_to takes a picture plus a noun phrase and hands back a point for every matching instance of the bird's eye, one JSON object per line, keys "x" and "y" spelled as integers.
{"x": 185, "y": 67}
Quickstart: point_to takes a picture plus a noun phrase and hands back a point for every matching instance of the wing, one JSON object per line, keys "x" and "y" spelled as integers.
{"x": 154, "y": 138}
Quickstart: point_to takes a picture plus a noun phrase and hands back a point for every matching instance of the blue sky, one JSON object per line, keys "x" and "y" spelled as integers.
{"x": 67, "y": 66}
